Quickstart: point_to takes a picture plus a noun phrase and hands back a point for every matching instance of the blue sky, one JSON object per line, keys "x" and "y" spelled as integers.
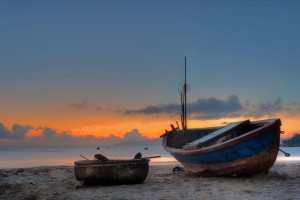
{"x": 232, "y": 46}
{"x": 130, "y": 54}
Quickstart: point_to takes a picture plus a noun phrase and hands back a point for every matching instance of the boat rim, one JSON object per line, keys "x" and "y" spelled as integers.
{"x": 110, "y": 162}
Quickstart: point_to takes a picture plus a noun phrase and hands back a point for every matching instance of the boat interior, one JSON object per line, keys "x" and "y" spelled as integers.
{"x": 204, "y": 137}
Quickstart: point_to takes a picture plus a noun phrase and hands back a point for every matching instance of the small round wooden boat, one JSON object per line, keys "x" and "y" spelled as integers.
{"x": 111, "y": 172}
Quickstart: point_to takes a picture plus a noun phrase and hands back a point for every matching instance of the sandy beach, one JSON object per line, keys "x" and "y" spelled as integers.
{"x": 282, "y": 182}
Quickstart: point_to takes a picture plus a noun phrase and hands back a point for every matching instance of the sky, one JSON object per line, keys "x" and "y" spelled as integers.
{"x": 83, "y": 72}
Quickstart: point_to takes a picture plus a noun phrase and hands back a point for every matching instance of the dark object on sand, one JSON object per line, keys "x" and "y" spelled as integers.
{"x": 98, "y": 148}
{"x": 240, "y": 148}
{"x": 146, "y": 148}
{"x": 177, "y": 169}
{"x": 111, "y": 172}
{"x": 101, "y": 157}
{"x": 138, "y": 156}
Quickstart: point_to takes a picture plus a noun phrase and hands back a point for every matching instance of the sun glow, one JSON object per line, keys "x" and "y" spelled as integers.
{"x": 151, "y": 126}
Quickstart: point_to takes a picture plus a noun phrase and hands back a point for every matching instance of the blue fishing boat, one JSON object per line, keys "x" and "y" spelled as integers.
{"x": 240, "y": 148}
{"x": 248, "y": 149}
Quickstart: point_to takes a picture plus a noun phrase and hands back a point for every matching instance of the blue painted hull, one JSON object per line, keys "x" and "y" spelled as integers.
{"x": 250, "y": 153}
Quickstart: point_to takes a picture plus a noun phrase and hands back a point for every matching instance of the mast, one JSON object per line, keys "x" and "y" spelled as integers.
{"x": 185, "y": 126}
{"x": 183, "y": 101}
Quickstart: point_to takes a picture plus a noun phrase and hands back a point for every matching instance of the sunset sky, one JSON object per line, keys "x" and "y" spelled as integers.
{"x": 93, "y": 69}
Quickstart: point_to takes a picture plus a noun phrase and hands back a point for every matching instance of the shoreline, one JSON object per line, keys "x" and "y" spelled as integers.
{"x": 58, "y": 182}
{"x": 175, "y": 163}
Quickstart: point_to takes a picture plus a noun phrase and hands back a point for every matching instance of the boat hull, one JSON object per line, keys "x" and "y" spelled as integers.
{"x": 251, "y": 153}
{"x": 245, "y": 166}
{"x": 113, "y": 172}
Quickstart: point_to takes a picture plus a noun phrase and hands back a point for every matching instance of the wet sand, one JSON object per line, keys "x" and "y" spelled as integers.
{"x": 282, "y": 182}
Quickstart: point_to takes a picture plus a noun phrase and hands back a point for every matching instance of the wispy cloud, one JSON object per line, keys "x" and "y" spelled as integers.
{"x": 171, "y": 108}
{"x": 214, "y": 108}
{"x": 85, "y": 104}
{"x": 267, "y": 108}
{"x": 205, "y": 108}
{"x": 81, "y": 105}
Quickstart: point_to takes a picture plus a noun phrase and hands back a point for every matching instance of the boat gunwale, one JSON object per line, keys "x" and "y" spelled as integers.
{"x": 109, "y": 165}
{"x": 84, "y": 163}
{"x": 270, "y": 123}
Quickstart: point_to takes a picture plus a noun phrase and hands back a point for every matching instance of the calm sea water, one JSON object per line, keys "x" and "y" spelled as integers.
{"x": 17, "y": 157}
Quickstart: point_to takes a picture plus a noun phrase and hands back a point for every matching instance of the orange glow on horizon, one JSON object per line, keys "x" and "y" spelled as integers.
{"x": 151, "y": 126}
{"x": 34, "y": 132}
{"x": 155, "y": 127}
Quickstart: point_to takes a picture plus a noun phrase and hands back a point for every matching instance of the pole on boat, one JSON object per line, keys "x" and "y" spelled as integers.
{"x": 182, "y": 110}
{"x": 177, "y": 124}
{"x": 84, "y": 157}
{"x": 152, "y": 157}
{"x": 185, "y": 126}
{"x": 183, "y": 101}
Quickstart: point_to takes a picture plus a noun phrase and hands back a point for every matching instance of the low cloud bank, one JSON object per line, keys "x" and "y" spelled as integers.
{"x": 17, "y": 132}
{"x": 18, "y": 136}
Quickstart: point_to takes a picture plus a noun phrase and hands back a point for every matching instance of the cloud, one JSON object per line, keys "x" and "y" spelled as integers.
{"x": 98, "y": 108}
{"x": 294, "y": 108}
{"x": 49, "y": 133}
{"x": 205, "y": 108}
{"x": 171, "y": 108}
{"x": 84, "y": 105}
{"x": 81, "y": 105}
{"x": 213, "y": 108}
{"x": 17, "y": 132}
{"x": 134, "y": 135}
{"x": 51, "y": 137}
{"x": 268, "y": 108}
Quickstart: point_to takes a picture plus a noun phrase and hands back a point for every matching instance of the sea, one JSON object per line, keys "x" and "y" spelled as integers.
{"x": 24, "y": 157}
